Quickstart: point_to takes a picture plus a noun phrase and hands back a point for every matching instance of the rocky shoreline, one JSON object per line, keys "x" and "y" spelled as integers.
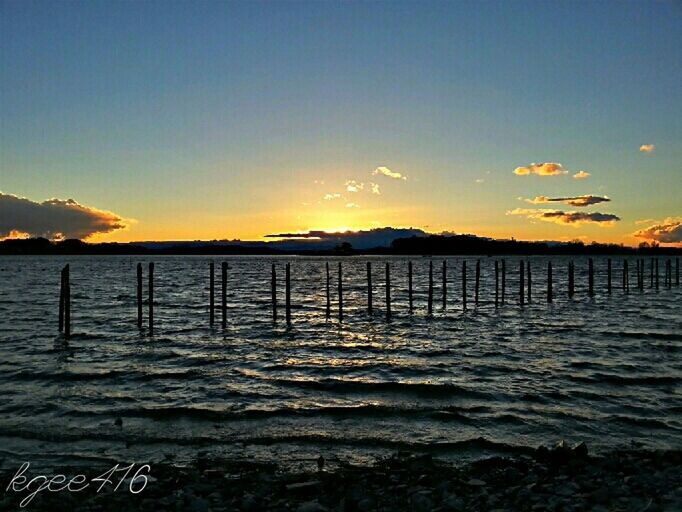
{"x": 557, "y": 479}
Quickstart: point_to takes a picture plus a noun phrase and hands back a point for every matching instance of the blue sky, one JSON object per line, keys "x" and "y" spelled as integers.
{"x": 216, "y": 119}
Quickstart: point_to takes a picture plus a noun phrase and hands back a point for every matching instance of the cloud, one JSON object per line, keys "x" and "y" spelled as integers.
{"x": 542, "y": 169}
{"x": 354, "y": 186}
{"x": 567, "y": 218}
{"x": 581, "y": 175}
{"x": 54, "y": 218}
{"x": 329, "y": 197}
{"x": 668, "y": 231}
{"x": 352, "y": 205}
{"x": 647, "y": 148}
{"x": 573, "y": 201}
{"x": 385, "y": 171}
{"x": 375, "y": 188}
{"x": 479, "y": 180}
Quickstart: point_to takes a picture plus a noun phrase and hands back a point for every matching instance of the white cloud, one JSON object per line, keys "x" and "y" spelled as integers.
{"x": 375, "y": 188}
{"x": 581, "y": 175}
{"x": 385, "y": 171}
{"x": 354, "y": 186}
{"x": 352, "y": 205}
{"x": 541, "y": 169}
{"x": 329, "y": 197}
{"x": 647, "y": 148}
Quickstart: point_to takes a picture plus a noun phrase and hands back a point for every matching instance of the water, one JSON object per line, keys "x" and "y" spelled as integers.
{"x": 605, "y": 370}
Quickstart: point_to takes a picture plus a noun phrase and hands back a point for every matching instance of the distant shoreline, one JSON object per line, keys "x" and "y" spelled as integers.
{"x": 434, "y": 245}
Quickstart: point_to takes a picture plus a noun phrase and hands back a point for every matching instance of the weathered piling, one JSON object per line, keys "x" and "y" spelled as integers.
{"x": 445, "y": 284}
{"x": 608, "y": 276}
{"x": 657, "y": 273}
{"x": 651, "y": 273}
{"x": 590, "y": 277}
{"x": 409, "y": 285}
{"x": 477, "y": 281}
{"x": 67, "y": 302}
{"x": 369, "y": 288}
{"x": 429, "y": 307}
{"x": 388, "y": 291}
{"x": 641, "y": 276}
{"x": 637, "y": 270}
{"x": 497, "y": 283}
{"x": 669, "y": 266}
{"x": 287, "y": 293}
{"x": 677, "y": 271}
{"x": 329, "y": 291}
{"x": 61, "y": 300}
{"x": 340, "y": 287}
{"x": 530, "y": 281}
{"x": 464, "y": 284}
{"x": 549, "y": 281}
{"x": 150, "y": 298}
{"x": 504, "y": 282}
{"x": 139, "y": 296}
{"x": 223, "y": 295}
{"x": 211, "y": 294}
{"x": 571, "y": 280}
{"x": 626, "y": 284}
{"x": 273, "y": 292}
{"x": 521, "y": 280}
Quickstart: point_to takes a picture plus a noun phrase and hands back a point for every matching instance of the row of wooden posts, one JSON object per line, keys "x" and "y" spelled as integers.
{"x": 525, "y": 288}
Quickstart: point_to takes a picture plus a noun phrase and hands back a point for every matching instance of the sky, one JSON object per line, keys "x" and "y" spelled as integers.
{"x": 207, "y": 120}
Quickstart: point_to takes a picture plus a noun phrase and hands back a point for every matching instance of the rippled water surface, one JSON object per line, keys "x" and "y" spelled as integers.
{"x": 606, "y": 370}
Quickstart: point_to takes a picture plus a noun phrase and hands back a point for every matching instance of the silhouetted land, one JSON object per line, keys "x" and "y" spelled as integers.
{"x": 426, "y": 245}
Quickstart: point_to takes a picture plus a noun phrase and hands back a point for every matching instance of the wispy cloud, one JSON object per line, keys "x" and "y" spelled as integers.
{"x": 54, "y": 218}
{"x": 586, "y": 200}
{"x": 581, "y": 175}
{"x": 567, "y": 218}
{"x": 647, "y": 148}
{"x": 385, "y": 171}
{"x": 479, "y": 180}
{"x": 354, "y": 186}
{"x": 329, "y": 197}
{"x": 667, "y": 231}
{"x": 541, "y": 169}
{"x": 375, "y": 188}
{"x": 352, "y": 205}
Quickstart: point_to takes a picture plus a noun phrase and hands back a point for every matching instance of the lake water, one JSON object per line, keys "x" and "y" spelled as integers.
{"x": 605, "y": 370}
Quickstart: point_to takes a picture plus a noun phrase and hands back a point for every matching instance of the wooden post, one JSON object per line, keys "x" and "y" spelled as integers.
{"x": 571, "y": 282}
{"x": 497, "y": 283}
{"x": 625, "y": 276}
{"x": 657, "y": 273}
{"x": 369, "y": 288}
{"x": 521, "y": 280}
{"x": 590, "y": 277}
{"x": 67, "y": 302}
{"x": 464, "y": 284}
{"x": 641, "y": 279}
{"x": 409, "y": 285}
{"x": 677, "y": 271}
{"x": 287, "y": 286}
{"x": 61, "y": 300}
{"x": 608, "y": 276}
{"x": 223, "y": 295}
{"x": 388, "y": 291}
{"x": 430, "y": 298}
{"x": 273, "y": 292}
{"x": 139, "y": 296}
{"x": 211, "y": 294}
{"x": 549, "y": 281}
{"x": 445, "y": 284}
{"x": 530, "y": 281}
{"x": 504, "y": 282}
{"x": 669, "y": 266}
{"x": 329, "y": 296}
{"x": 651, "y": 273}
{"x": 477, "y": 281}
{"x": 150, "y": 298}
{"x": 340, "y": 286}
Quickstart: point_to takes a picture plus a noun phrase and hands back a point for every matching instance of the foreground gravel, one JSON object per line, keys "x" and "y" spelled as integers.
{"x": 557, "y": 479}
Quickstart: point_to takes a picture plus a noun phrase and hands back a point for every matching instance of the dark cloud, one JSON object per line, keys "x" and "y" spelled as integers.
{"x": 668, "y": 231}
{"x": 54, "y": 218}
{"x": 578, "y": 201}
{"x": 379, "y": 237}
{"x": 569, "y": 218}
